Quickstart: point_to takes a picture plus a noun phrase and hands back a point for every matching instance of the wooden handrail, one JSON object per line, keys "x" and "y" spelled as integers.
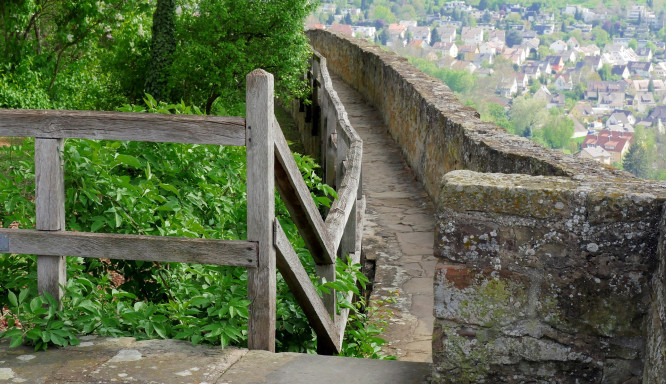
{"x": 298, "y": 280}
{"x": 298, "y": 200}
{"x": 342, "y": 207}
{"x": 96, "y": 125}
{"x": 130, "y": 247}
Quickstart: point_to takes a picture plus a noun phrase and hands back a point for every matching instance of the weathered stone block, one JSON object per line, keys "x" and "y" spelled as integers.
{"x": 524, "y": 294}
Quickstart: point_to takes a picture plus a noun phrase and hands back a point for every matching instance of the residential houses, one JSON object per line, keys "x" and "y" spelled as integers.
{"x": 640, "y": 68}
{"x": 447, "y": 34}
{"x": 616, "y": 143}
{"x": 621, "y": 71}
{"x": 446, "y": 48}
{"x": 556, "y": 63}
{"x": 472, "y": 35}
{"x": 420, "y": 33}
{"x": 563, "y": 82}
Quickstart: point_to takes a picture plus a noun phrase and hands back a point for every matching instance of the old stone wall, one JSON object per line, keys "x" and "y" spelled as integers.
{"x": 436, "y": 132}
{"x": 552, "y": 269}
{"x": 546, "y": 279}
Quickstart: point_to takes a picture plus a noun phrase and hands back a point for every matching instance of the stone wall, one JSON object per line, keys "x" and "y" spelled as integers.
{"x": 436, "y": 132}
{"x": 552, "y": 269}
{"x": 546, "y": 279}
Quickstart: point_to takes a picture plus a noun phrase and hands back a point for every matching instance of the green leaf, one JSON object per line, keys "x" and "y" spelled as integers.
{"x": 35, "y": 304}
{"x": 16, "y": 341}
{"x": 23, "y": 294}
{"x": 57, "y": 340}
{"x": 97, "y": 224}
{"x": 127, "y": 160}
{"x": 12, "y": 299}
{"x": 161, "y": 330}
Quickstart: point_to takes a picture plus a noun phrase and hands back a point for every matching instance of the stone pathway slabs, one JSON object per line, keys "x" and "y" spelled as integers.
{"x": 399, "y": 232}
{"x": 125, "y": 360}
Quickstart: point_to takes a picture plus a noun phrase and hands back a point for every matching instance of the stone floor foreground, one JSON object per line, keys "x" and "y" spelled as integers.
{"x": 124, "y": 360}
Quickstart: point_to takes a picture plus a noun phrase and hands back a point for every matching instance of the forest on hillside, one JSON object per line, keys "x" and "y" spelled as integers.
{"x": 164, "y": 56}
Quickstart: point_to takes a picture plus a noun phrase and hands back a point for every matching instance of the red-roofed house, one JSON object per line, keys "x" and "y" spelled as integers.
{"x": 397, "y": 30}
{"x": 342, "y": 28}
{"x": 616, "y": 143}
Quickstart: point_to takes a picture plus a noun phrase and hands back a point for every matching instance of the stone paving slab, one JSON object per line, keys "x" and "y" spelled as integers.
{"x": 125, "y": 360}
{"x": 295, "y": 368}
{"x": 398, "y": 233}
{"x": 117, "y": 360}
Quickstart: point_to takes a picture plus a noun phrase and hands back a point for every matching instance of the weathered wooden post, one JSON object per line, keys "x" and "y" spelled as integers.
{"x": 260, "y": 142}
{"x": 348, "y": 240}
{"x": 50, "y": 211}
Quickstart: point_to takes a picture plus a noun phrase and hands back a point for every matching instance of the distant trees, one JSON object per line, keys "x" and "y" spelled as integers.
{"x": 606, "y": 72}
{"x": 458, "y": 81}
{"x": 513, "y": 38}
{"x": 636, "y": 161}
{"x": 434, "y": 37}
{"x": 557, "y": 130}
{"x": 381, "y": 12}
{"x": 600, "y": 36}
{"x": 527, "y": 114}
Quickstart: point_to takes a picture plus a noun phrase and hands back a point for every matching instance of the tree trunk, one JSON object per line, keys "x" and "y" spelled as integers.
{"x": 162, "y": 47}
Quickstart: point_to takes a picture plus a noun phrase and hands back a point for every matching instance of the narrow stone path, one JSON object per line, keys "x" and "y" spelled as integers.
{"x": 398, "y": 235}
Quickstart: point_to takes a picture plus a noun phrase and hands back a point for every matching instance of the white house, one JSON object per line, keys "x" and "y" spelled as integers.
{"x": 558, "y": 46}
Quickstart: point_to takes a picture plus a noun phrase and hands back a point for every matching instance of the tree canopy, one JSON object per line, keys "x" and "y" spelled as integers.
{"x": 99, "y": 54}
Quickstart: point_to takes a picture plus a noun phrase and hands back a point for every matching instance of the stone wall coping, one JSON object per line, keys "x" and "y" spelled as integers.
{"x": 550, "y": 196}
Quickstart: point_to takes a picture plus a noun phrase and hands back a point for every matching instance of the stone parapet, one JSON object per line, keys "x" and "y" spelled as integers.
{"x": 548, "y": 278}
{"x": 436, "y": 132}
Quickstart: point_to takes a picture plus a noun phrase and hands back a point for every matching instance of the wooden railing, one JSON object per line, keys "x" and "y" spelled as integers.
{"x": 270, "y": 164}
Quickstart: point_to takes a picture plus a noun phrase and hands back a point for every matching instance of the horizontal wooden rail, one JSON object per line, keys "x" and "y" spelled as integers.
{"x": 347, "y": 193}
{"x": 155, "y": 127}
{"x": 299, "y": 202}
{"x": 129, "y": 247}
{"x": 298, "y": 280}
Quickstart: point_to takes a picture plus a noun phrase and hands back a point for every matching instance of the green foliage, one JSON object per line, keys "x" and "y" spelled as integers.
{"x": 605, "y": 72}
{"x": 381, "y": 12}
{"x": 224, "y": 41}
{"x": 458, "y": 81}
{"x": 527, "y": 115}
{"x": 558, "y": 129}
{"x": 50, "y": 52}
{"x": 636, "y": 161}
{"x": 367, "y": 320}
{"x": 497, "y": 115}
{"x": 513, "y": 38}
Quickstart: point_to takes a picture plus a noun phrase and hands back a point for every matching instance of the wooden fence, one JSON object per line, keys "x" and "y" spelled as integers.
{"x": 270, "y": 165}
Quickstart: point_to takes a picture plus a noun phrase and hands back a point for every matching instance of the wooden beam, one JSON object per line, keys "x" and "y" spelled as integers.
{"x": 131, "y": 247}
{"x": 96, "y": 125}
{"x": 298, "y": 280}
{"x": 50, "y": 212}
{"x": 342, "y": 207}
{"x": 298, "y": 200}
{"x": 261, "y": 282}
{"x": 341, "y": 320}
